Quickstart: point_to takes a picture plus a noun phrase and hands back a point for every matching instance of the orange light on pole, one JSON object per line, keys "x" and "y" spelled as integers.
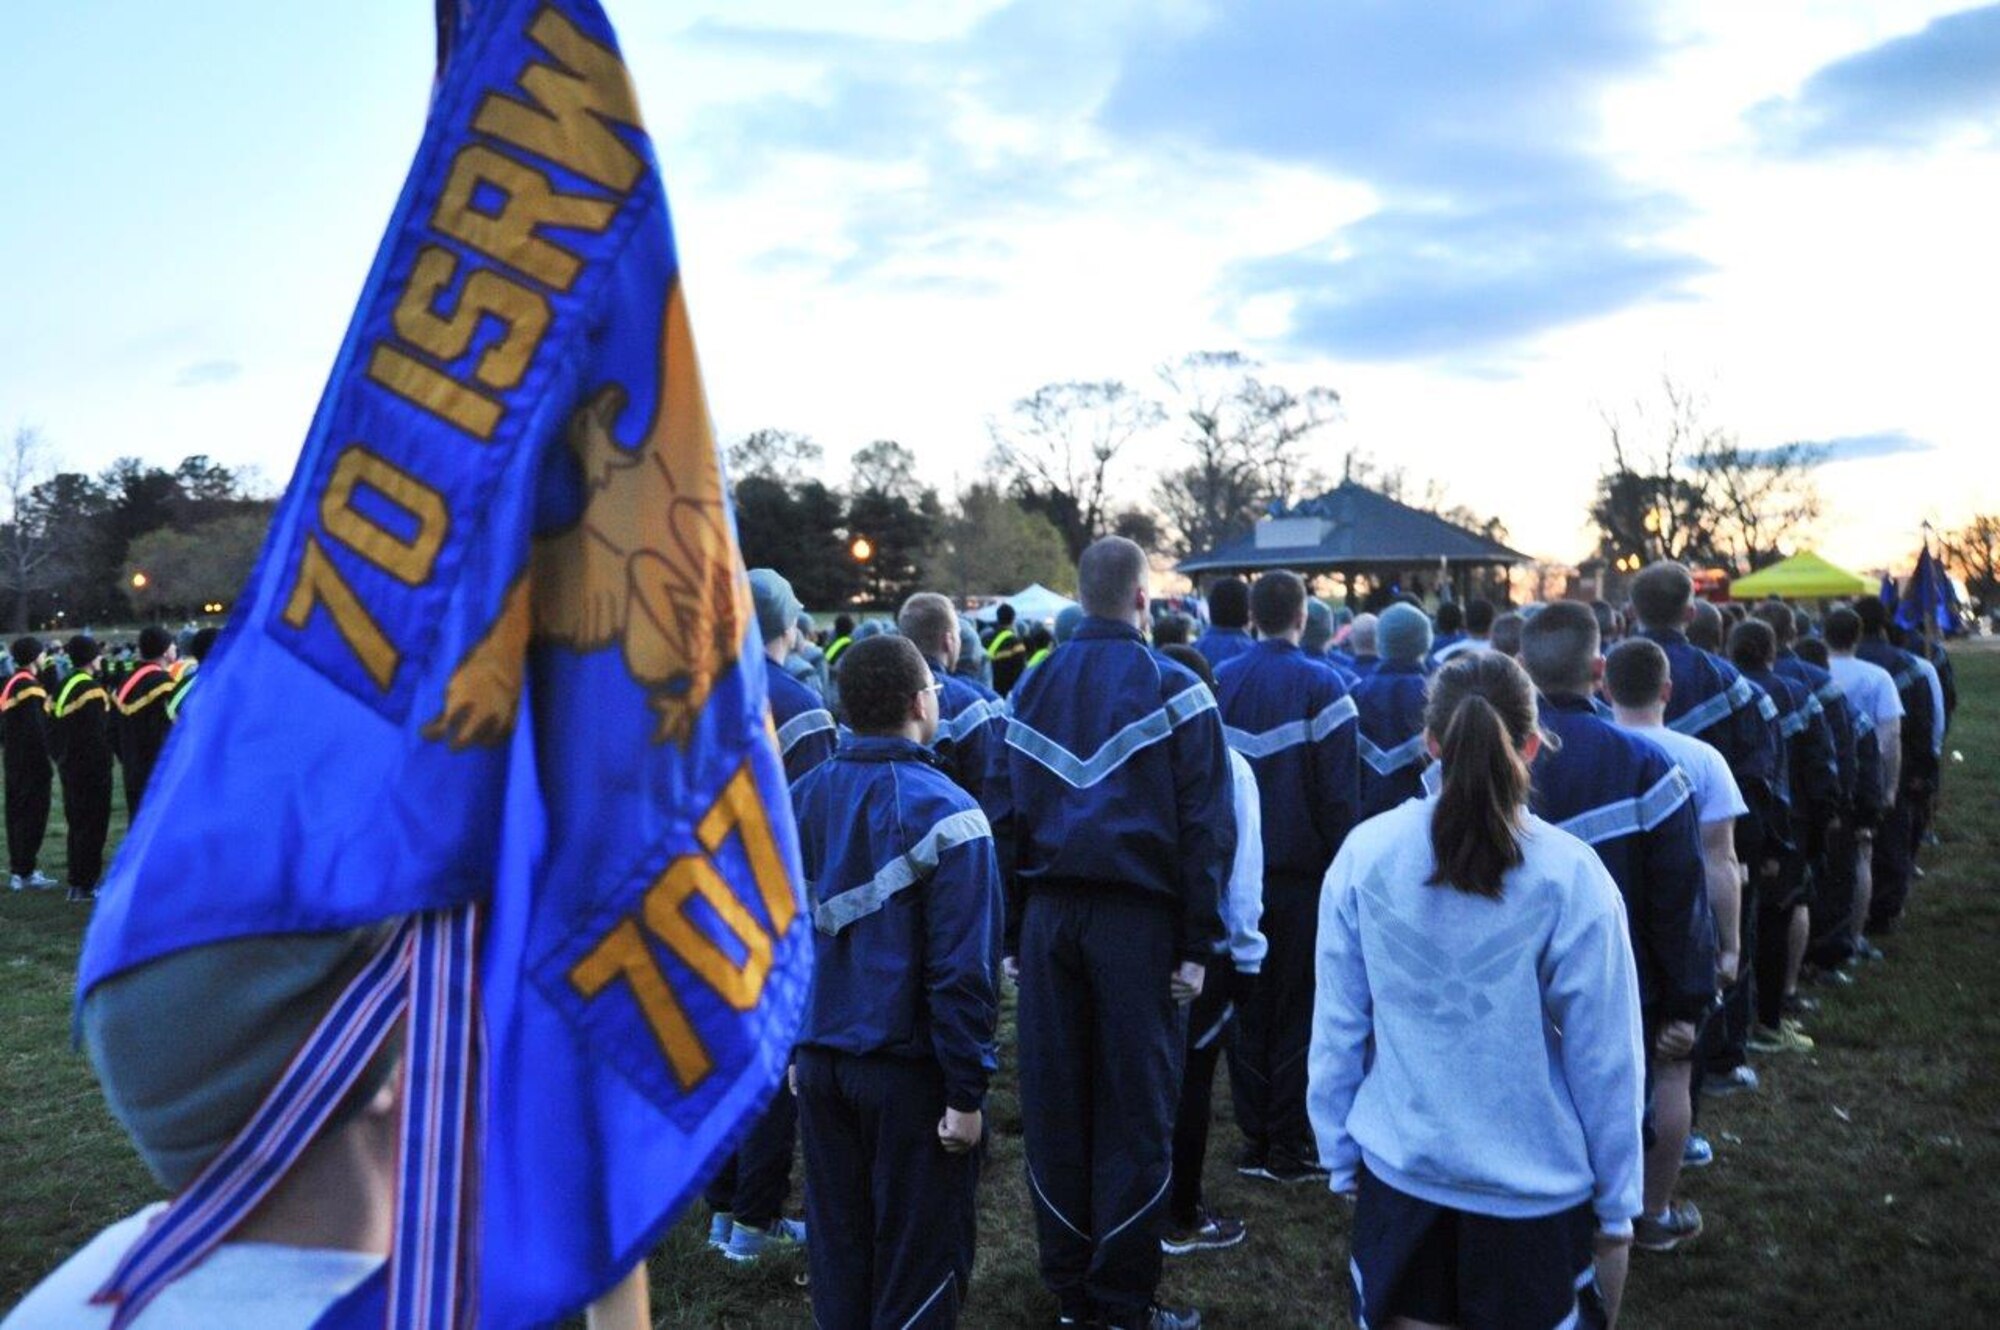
{"x": 862, "y": 549}
{"x": 139, "y": 581}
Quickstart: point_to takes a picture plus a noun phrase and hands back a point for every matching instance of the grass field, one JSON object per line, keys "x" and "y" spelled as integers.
{"x": 1860, "y": 1187}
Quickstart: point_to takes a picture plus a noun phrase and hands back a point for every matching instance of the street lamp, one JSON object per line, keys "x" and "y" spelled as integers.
{"x": 862, "y": 549}
{"x": 139, "y": 581}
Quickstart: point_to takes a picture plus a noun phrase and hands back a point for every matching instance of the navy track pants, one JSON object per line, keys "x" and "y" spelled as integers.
{"x": 1101, "y": 1046}
{"x": 891, "y": 1218}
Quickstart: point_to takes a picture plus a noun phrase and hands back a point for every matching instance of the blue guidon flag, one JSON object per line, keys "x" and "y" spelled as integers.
{"x": 495, "y": 682}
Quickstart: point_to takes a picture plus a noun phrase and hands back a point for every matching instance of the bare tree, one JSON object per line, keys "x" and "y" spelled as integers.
{"x": 1974, "y": 550}
{"x": 1248, "y": 445}
{"x": 1681, "y": 487}
{"x": 30, "y": 547}
{"x": 1058, "y": 447}
{"x": 774, "y": 454}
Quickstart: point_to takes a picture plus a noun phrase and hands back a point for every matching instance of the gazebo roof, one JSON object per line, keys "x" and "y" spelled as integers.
{"x": 1351, "y": 527}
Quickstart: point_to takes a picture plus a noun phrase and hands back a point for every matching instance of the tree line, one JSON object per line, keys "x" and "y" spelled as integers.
{"x": 134, "y": 540}
{"x": 1180, "y": 466}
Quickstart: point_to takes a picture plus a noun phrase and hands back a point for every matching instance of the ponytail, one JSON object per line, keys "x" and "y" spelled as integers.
{"x": 1481, "y": 712}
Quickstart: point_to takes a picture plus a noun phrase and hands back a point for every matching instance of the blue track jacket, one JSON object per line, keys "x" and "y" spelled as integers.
{"x": 1223, "y": 644}
{"x": 1717, "y": 705}
{"x": 1295, "y": 722}
{"x": 1625, "y": 798}
{"x": 971, "y": 725}
{"x": 805, "y": 727}
{"x": 1839, "y": 719}
{"x": 1391, "y": 738}
{"x": 906, "y": 910}
{"x": 1808, "y": 779}
{"x": 1115, "y": 776}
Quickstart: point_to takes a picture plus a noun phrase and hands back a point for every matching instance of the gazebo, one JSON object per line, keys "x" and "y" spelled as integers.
{"x": 1354, "y": 531}
{"x": 1802, "y": 577}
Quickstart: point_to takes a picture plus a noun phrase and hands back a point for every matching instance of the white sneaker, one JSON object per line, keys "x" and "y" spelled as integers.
{"x": 40, "y": 881}
{"x": 16, "y": 882}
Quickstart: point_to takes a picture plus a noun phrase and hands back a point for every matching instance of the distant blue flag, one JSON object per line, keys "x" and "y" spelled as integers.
{"x": 1931, "y": 600}
{"x": 495, "y": 676}
{"x": 1887, "y": 593}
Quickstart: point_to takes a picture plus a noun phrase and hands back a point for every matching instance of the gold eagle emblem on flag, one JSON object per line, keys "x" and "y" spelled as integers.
{"x": 650, "y": 566}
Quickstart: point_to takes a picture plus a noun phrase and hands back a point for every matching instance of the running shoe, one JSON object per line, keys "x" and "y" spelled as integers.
{"x": 1697, "y": 1153}
{"x": 1207, "y": 1233}
{"x": 1740, "y": 1080}
{"x": 747, "y": 1244}
{"x": 1664, "y": 1232}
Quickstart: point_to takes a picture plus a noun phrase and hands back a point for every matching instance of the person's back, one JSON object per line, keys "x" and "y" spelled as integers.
{"x": 30, "y": 772}
{"x": 1391, "y": 704}
{"x": 1228, "y": 634}
{"x": 1295, "y": 723}
{"x": 140, "y": 718}
{"x": 900, "y": 1036}
{"x": 1112, "y": 814}
{"x": 1711, "y": 699}
{"x": 1490, "y": 1160}
{"x": 1497, "y": 1123}
{"x": 1626, "y": 799}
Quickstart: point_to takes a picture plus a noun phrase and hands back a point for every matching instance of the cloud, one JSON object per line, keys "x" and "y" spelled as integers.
{"x": 1473, "y": 121}
{"x": 1462, "y": 281}
{"x": 1902, "y": 95}
{"x": 1863, "y": 447}
{"x": 202, "y": 373}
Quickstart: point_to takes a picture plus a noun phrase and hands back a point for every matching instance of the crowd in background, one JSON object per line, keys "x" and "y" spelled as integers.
{"x": 1276, "y": 839}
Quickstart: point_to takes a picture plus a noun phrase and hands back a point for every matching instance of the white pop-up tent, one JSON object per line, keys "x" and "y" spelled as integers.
{"x": 1033, "y": 604}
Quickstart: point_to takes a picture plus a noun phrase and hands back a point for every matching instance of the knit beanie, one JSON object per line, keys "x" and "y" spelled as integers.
{"x": 1403, "y": 634}
{"x": 777, "y": 608}
{"x": 187, "y": 1046}
{"x": 1319, "y": 627}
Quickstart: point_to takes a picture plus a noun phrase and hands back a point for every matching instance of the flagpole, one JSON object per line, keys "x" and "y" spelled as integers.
{"x": 628, "y": 1306}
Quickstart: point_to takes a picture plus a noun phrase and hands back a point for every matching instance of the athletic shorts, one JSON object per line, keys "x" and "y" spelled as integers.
{"x": 1451, "y": 1267}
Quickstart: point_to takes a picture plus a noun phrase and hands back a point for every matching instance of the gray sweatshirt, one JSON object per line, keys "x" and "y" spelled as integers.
{"x": 1480, "y": 1054}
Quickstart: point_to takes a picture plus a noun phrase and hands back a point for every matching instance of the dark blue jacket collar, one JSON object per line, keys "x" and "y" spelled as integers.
{"x": 1571, "y": 702}
{"x": 1400, "y": 667}
{"x": 880, "y": 748}
{"x": 1094, "y": 629}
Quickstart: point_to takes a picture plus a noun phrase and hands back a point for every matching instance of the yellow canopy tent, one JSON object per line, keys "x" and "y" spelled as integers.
{"x": 1801, "y": 577}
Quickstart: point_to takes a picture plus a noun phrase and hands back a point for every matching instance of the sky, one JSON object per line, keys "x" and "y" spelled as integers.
{"x": 1486, "y": 223}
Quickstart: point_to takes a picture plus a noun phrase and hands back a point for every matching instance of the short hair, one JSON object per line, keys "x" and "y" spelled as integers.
{"x": 1450, "y": 618}
{"x": 878, "y": 677}
{"x": 1171, "y": 630}
{"x": 1608, "y": 627}
{"x": 203, "y": 642}
{"x": 1361, "y": 637}
{"x": 154, "y": 641}
{"x": 1109, "y": 576}
{"x": 1506, "y": 635}
{"x": 1813, "y": 652}
{"x": 1784, "y": 625}
{"x": 1182, "y": 654}
{"x": 1229, "y": 603}
{"x": 1558, "y": 646}
{"x": 927, "y": 619}
{"x": 1004, "y": 616}
{"x": 1753, "y": 646}
{"x": 1636, "y": 673}
{"x": 1842, "y": 628}
{"x": 1479, "y": 616}
{"x": 81, "y": 649}
{"x": 843, "y": 625}
{"x": 26, "y": 651}
{"x": 1802, "y": 624}
{"x": 1661, "y": 594}
{"x": 1874, "y": 615}
{"x": 1275, "y": 601}
{"x": 1705, "y": 628}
